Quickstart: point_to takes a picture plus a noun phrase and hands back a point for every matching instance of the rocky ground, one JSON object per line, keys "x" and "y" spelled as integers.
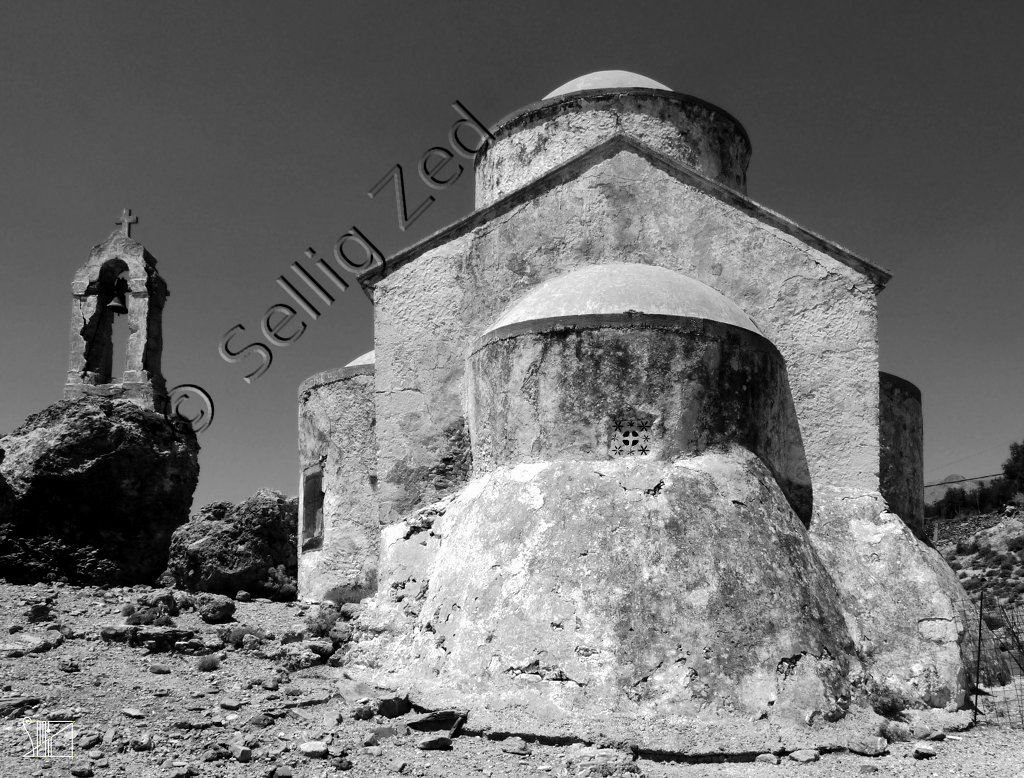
{"x": 202, "y": 685}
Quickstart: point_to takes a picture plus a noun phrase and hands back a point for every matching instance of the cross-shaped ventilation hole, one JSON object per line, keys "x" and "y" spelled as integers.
{"x": 630, "y": 437}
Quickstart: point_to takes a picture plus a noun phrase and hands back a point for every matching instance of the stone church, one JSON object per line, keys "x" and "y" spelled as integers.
{"x": 622, "y": 456}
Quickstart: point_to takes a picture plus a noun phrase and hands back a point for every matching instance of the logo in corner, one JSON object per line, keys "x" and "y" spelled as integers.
{"x": 50, "y": 739}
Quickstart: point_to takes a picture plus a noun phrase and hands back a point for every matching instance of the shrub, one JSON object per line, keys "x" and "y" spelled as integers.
{"x": 993, "y": 620}
{"x": 234, "y": 635}
{"x": 280, "y": 585}
{"x": 964, "y": 547}
{"x": 208, "y": 663}
{"x": 887, "y": 702}
{"x": 156, "y": 616}
{"x": 322, "y": 619}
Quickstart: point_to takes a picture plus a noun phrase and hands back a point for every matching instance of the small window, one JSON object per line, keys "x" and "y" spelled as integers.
{"x": 312, "y": 510}
{"x": 630, "y": 436}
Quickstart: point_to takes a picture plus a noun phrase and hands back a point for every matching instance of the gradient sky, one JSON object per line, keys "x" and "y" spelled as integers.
{"x": 242, "y": 132}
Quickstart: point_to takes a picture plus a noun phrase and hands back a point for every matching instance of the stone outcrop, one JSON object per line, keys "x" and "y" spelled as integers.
{"x": 91, "y": 490}
{"x": 904, "y": 605}
{"x": 225, "y": 548}
{"x": 598, "y": 593}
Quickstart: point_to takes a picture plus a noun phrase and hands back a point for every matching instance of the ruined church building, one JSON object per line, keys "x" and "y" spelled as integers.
{"x": 625, "y": 387}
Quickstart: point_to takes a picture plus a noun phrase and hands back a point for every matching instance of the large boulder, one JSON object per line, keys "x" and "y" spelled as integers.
{"x": 628, "y": 599}
{"x": 90, "y": 492}
{"x": 226, "y": 548}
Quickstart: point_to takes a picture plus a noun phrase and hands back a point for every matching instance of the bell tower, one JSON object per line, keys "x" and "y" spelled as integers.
{"x": 120, "y": 279}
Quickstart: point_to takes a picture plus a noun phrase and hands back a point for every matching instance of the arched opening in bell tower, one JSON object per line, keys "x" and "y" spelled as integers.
{"x": 106, "y": 338}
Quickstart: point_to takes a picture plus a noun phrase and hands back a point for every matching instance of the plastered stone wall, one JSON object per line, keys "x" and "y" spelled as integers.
{"x": 546, "y": 134}
{"x": 336, "y": 438}
{"x": 623, "y": 206}
{"x": 901, "y": 453}
{"x": 557, "y": 390}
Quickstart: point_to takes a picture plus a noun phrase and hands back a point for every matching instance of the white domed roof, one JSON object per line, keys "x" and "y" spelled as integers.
{"x": 624, "y": 288}
{"x": 607, "y": 79}
{"x": 368, "y": 358}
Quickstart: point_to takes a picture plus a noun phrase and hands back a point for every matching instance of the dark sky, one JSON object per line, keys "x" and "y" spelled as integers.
{"x": 243, "y": 132}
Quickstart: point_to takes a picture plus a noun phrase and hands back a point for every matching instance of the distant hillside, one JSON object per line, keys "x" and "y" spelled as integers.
{"x": 933, "y": 494}
{"x": 992, "y": 559}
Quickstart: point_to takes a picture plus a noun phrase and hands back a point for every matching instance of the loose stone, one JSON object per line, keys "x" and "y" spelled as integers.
{"x": 868, "y": 746}
{"x": 515, "y": 745}
{"x": 314, "y": 749}
{"x": 805, "y": 755}
{"x": 240, "y": 752}
{"x": 436, "y": 743}
{"x": 924, "y": 751}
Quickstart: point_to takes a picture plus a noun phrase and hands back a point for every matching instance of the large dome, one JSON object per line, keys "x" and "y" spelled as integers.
{"x": 619, "y": 288}
{"x": 607, "y": 79}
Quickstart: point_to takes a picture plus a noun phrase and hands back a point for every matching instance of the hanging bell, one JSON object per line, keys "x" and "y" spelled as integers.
{"x": 119, "y": 304}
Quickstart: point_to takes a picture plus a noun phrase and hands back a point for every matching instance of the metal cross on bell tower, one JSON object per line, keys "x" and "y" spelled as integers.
{"x": 126, "y": 221}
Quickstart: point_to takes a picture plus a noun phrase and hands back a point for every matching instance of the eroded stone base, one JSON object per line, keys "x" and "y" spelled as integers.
{"x": 576, "y": 594}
